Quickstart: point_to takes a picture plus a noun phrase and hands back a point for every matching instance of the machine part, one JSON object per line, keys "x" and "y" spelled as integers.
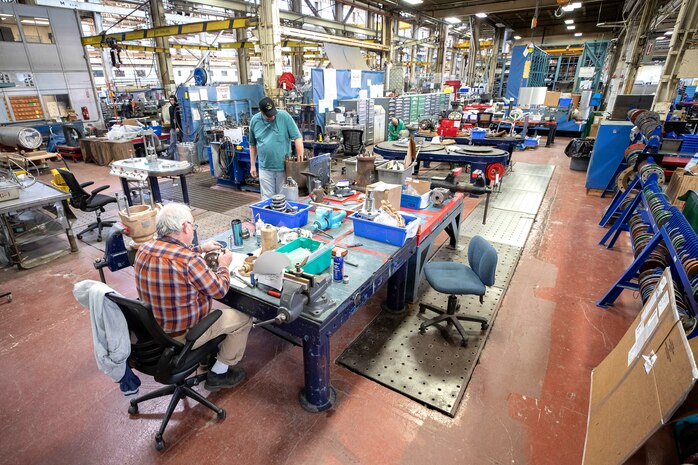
{"x": 365, "y": 170}
{"x": 318, "y": 193}
{"x": 200, "y": 76}
{"x": 211, "y": 258}
{"x": 234, "y": 275}
{"x": 449, "y": 183}
{"x": 455, "y": 116}
{"x": 326, "y": 218}
{"x": 495, "y": 172}
{"x": 345, "y": 279}
{"x": 278, "y": 203}
{"x": 652, "y": 168}
{"x": 116, "y": 255}
{"x": 623, "y": 178}
{"x": 270, "y": 238}
{"x": 427, "y": 125}
{"x": 21, "y": 138}
{"x": 290, "y": 189}
{"x": 477, "y": 149}
{"x": 390, "y": 210}
{"x": 439, "y": 196}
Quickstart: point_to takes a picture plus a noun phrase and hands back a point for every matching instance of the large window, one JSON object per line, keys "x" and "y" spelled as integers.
{"x": 36, "y": 30}
{"x": 9, "y": 31}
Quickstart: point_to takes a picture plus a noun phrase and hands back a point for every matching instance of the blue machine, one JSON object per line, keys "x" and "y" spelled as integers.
{"x": 230, "y": 164}
{"x": 612, "y": 140}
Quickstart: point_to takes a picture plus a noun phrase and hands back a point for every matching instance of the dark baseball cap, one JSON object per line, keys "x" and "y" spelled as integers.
{"x": 266, "y": 105}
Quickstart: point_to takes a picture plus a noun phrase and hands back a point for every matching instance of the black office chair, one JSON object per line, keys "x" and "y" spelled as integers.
{"x": 484, "y": 120}
{"x": 167, "y": 360}
{"x": 459, "y": 279}
{"x": 352, "y": 141}
{"x": 88, "y": 202}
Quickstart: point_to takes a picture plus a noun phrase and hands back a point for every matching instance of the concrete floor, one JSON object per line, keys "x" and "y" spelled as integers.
{"x": 527, "y": 401}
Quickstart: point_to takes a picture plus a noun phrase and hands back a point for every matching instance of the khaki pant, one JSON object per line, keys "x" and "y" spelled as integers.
{"x": 236, "y": 325}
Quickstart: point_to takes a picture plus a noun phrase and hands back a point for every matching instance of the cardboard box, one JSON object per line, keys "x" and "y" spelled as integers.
{"x": 384, "y": 191}
{"x": 575, "y": 100}
{"x": 681, "y": 183}
{"x": 641, "y": 384}
{"x": 552, "y": 99}
{"x": 421, "y": 199}
{"x": 594, "y": 130}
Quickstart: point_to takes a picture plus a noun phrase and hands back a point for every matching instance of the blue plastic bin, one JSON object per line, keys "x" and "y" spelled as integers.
{"x": 384, "y": 233}
{"x": 564, "y": 102}
{"x": 289, "y": 220}
{"x": 478, "y": 133}
{"x": 414, "y": 202}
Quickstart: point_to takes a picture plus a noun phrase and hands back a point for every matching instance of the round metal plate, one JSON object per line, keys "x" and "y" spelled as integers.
{"x": 476, "y": 149}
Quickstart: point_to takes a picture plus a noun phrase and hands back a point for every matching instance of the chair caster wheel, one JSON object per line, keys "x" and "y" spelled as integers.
{"x": 221, "y": 415}
{"x": 485, "y": 326}
{"x": 79, "y": 236}
{"x": 99, "y": 239}
{"x": 464, "y": 343}
{"x": 422, "y": 330}
{"x": 133, "y": 409}
{"x": 159, "y": 443}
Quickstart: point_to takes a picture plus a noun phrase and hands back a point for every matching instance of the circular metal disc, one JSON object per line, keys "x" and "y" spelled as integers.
{"x": 476, "y": 149}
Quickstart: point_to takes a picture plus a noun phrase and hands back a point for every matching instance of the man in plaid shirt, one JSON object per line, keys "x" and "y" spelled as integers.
{"x": 173, "y": 278}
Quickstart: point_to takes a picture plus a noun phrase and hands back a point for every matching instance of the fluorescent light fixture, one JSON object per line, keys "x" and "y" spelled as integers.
{"x": 414, "y": 2}
{"x": 576, "y": 5}
{"x": 452, "y": 20}
{"x": 569, "y": 21}
{"x": 578, "y": 34}
{"x": 3, "y": 15}
{"x": 481, "y": 15}
{"x": 567, "y": 8}
{"x": 668, "y": 33}
{"x": 571, "y": 28}
{"x": 517, "y": 37}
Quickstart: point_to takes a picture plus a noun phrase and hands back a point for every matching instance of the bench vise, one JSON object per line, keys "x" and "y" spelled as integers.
{"x": 301, "y": 292}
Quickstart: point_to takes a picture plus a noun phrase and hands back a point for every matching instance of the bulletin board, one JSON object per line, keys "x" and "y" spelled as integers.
{"x": 349, "y": 84}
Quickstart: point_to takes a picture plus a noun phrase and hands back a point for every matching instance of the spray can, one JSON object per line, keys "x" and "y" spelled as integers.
{"x": 236, "y": 226}
{"x": 338, "y": 255}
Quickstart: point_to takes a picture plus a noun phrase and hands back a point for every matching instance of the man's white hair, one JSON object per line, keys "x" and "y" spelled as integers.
{"x": 171, "y": 217}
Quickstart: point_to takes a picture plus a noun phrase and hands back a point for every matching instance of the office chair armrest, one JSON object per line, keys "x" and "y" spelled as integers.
{"x": 194, "y": 333}
{"x": 98, "y": 190}
{"x": 85, "y": 184}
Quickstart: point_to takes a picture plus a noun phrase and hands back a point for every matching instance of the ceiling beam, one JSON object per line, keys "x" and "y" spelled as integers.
{"x": 322, "y": 37}
{"x": 447, "y": 10}
{"x": 112, "y": 10}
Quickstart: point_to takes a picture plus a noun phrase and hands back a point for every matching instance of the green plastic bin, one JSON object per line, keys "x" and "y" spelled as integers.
{"x": 316, "y": 265}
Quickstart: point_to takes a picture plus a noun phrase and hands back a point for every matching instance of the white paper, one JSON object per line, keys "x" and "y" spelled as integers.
{"x": 649, "y": 306}
{"x": 663, "y": 303}
{"x": 195, "y": 114}
{"x": 330, "y": 81}
{"x": 355, "y": 79}
{"x": 220, "y": 115}
{"x": 237, "y": 261}
{"x": 194, "y": 96}
{"x": 639, "y": 332}
{"x": 377, "y": 91}
{"x": 662, "y": 283}
{"x": 363, "y": 94}
{"x": 649, "y": 361}
{"x": 223, "y": 93}
{"x": 203, "y": 93}
{"x": 651, "y": 325}
{"x": 632, "y": 353}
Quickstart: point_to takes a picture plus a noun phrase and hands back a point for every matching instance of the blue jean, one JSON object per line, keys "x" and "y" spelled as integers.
{"x": 270, "y": 182}
{"x": 172, "y": 148}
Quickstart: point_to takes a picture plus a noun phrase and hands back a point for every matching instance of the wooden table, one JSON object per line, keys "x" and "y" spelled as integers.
{"x": 102, "y": 151}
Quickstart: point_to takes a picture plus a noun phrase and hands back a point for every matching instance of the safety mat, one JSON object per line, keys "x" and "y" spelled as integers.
{"x": 433, "y": 368}
{"x": 204, "y": 194}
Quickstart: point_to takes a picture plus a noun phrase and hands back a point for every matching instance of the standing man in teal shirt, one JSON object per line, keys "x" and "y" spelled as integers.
{"x": 271, "y": 133}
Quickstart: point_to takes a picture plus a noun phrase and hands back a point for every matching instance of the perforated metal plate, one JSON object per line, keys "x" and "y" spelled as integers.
{"x": 432, "y": 368}
{"x": 503, "y": 226}
{"x": 210, "y": 224}
{"x": 517, "y": 200}
{"x": 534, "y": 168}
{"x": 525, "y": 182}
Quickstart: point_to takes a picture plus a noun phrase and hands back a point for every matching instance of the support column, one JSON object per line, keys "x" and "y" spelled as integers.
{"x": 473, "y": 52}
{"x": 684, "y": 31}
{"x": 649, "y": 8}
{"x": 269, "y": 40}
{"x": 157, "y": 13}
{"x": 297, "y": 57}
{"x": 441, "y": 53}
{"x": 491, "y": 77}
{"x": 242, "y": 54}
{"x": 389, "y": 56}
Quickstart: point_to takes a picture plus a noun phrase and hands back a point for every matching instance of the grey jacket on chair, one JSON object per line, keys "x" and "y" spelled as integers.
{"x": 110, "y": 333}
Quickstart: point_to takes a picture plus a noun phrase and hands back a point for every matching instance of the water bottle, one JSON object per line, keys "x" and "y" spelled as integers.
{"x": 259, "y": 224}
{"x": 236, "y": 226}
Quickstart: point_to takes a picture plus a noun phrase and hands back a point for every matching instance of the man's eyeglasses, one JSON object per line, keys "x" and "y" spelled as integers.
{"x": 194, "y": 225}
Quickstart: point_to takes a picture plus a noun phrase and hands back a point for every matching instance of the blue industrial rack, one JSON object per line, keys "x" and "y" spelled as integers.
{"x": 594, "y": 54}
{"x": 529, "y": 67}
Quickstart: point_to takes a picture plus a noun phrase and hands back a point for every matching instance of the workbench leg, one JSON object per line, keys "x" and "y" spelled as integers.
{"x": 185, "y": 190}
{"x": 318, "y": 394}
{"x": 155, "y": 189}
{"x": 397, "y": 290}
{"x": 127, "y": 191}
{"x": 61, "y": 211}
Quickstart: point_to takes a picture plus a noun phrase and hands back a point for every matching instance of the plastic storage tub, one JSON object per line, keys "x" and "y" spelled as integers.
{"x": 394, "y": 176}
{"x": 289, "y": 220}
{"x": 415, "y": 202}
{"x": 478, "y": 133}
{"x": 318, "y": 264}
{"x": 384, "y": 233}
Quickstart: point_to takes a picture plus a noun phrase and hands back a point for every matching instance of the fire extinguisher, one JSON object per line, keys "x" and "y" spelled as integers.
{"x": 85, "y": 114}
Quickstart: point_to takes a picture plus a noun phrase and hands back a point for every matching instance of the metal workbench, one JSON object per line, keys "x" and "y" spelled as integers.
{"x": 378, "y": 263}
{"x": 39, "y": 244}
{"x": 138, "y": 169}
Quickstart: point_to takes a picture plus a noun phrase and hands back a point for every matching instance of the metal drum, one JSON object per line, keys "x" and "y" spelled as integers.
{"x": 20, "y": 137}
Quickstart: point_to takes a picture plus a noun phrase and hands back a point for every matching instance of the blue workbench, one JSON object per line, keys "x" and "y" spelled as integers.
{"x": 378, "y": 263}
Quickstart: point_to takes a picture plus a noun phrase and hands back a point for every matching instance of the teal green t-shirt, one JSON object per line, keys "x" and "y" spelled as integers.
{"x": 273, "y": 139}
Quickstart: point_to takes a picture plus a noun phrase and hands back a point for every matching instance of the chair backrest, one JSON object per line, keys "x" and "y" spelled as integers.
{"x": 352, "y": 141}
{"x": 78, "y": 195}
{"x": 484, "y": 119}
{"x": 482, "y": 258}
{"x": 148, "y": 340}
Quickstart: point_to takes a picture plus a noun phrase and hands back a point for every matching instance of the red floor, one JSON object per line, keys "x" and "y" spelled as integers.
{"x": 526, "y": 404}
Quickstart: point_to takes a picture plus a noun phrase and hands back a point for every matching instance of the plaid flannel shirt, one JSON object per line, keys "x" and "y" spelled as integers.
{"x": 176, "y": 282}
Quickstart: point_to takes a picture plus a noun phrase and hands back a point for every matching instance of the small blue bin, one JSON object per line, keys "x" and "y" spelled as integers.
{"x": 478, "y": 133}
{"x": 384, "y": 233}
{"x": 289, "y": 220}
{"x": 564, "y": 102}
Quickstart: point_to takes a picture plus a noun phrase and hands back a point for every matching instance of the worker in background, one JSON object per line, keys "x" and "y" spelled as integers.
{"x": 172, "y": 277}
{"x": 175, "y": 127}
{"x": 394, "y": 127}
{"x": 271, "y": 134}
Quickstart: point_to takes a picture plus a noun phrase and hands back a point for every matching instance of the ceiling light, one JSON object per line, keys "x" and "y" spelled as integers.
{"x": 571, "y": 28}
{"x": 578, "y": 34}
{"x": 3, "y": 15}
{"x": 517, "y": 37}
{"x": 668, "y": 33}
{"x": 576, "y": 5}
{"x": 452, "y": 20}
{"x": 567, "y": 8}
{"x": 414, "y": 2}
{"x": 481, "y": 15}
{"x": 569, "y": 21}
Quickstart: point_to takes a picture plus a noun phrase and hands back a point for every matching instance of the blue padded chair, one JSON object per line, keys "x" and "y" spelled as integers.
{"x": 458, "y": 279}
